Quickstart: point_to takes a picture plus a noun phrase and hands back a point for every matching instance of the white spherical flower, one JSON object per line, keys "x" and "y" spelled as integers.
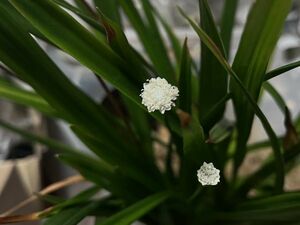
{"x": 208, "y": 174}
{"x": 158, "y": 94}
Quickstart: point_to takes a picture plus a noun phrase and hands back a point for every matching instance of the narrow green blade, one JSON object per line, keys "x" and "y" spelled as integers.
{"x": 185, "y": 80}
{"x": 148, "y": 32}
{"x": 27, "y": 98}
{"x": 110, "y": 9}
{"x": 213, "y": 79}
{"x": 262, "y": 30}
{"x": 268, "y": 128}
{"x": 283, "y": 69}
{"x": 69, "y": 35}
{"x": 228, "y": 19}
{"x": 137, "y": 210}
{"x": 73, "y": 216}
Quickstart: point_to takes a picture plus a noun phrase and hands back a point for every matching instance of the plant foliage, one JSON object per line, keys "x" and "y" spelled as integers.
{"x": 124, "y": 137}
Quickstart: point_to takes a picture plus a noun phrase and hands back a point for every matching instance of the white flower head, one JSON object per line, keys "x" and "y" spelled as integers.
{"x": 208, "y": 174}
{"x": 158, "y": 94}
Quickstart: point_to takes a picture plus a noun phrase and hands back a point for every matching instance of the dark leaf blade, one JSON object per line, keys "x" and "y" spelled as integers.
{"x": 171, "y": 36}
{"x": 148, "y": 32}
{"x": 262, "y": 30}
{"x": 27, "y": 98}
{"x": 282, "y": 207}
{"x": 185, "y": 80}
{"x": 227, "y": 24}
{"x": 213, "y": 79}
{"x": 275, "y": 95}
{"x": 283, "y": 69}
{"x": 87, "y": 18}
{"x": 110, "y": 9}
{"x": 67, "y": 100}
{"x": 125, "y": 159}
{"x": 73, "y": 216}
{"x": 279, "y": 161}
{"x": 137, "y": 210}
{"x": 70, "y": 36}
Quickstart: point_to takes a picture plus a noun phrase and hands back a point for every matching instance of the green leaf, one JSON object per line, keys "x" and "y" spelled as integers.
{"x": 283, "y": 69}
{"x": 220, "y": 131}
{"x": 264, "y": 24}
{"x": 273, "y": 138}
{"x": 82, "y": 197}
{"x": 137, "y": 210}
{"x": 87, "y": 18}
{"x": 141, "y": 125}
{"x": 27, "y": 98}
{"x": 219, "y": 106}
{"x": 195, "y": 153}
{"x": 185, "y": 80}
{"x": 227, "y": 24}
{"x": 69, "y": 35}
{"x": 125, "y": 158}
{"x": 18, "y": 50}
{"x": 110, "y": 9}
{"x": 73, "y": 216}
{"x": 171, "y": 36}
{"x": 277, "y": 201}
{"x": 213, "y": 79}
{"x": 266, "y": 170}
{"x": 119, "y": 43}
{"x": 93, "y": 169}
{"x": 284, "y": 207}
{"x": 275, "y": 95}
{"x": 148, "y": 32}
{"x": 20, "y": 19}
{"x": 52, "y": 144}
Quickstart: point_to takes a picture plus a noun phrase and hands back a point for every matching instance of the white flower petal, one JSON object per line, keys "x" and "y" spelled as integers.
{"x": 208, "y": 174}
{"x": 158, "y": 94}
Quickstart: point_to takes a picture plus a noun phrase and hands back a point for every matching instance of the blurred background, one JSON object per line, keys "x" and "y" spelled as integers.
{"x": 25, "y": 168}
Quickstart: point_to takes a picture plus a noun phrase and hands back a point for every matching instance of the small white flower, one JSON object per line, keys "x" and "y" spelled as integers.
{"x": 208, "y": 174}
{"x": 158, "y": 94}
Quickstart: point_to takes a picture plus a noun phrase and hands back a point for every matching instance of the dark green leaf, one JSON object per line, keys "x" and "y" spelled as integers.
{"x": 73, "y": 38}
{"x": 264, "y": 24}
{"x": 275, "y": 95}
{"x": 137, "y": 210}
{"x": 110, "y": 9}
{"x": 125, "y": 158}
{"x": 220, "y": 131}
{"x": 18, "y": 51}
{"x": 185, "y": 80}
{"x": 227, "y": 24}
{"x": 273, "y": 138}
{"x": 171, "y": 35}
{"x": 87, "y": 18}
{"x": 213, "y": 79}
{"x": 73, "y": 216}
{"x": 149, "y": 35}
{"x": 13, "y": 93}
{"x": 278, "y": 71}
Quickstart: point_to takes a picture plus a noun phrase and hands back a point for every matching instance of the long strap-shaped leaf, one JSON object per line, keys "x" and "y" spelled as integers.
{"x": 283, "y": 69}
{"x": 73, "y": 216}
{"x": 213, "y": 79}
{"x": 262, "y": 30}
{"x": 13, "y": 93}
{"x": 228, "y": 16}
{"x": 148, "y": 32}
{"x": 69, "y": 35}
{"x": 73, "y": 38}
{"x": 134, "y": 212}
{"x": 275, "y": 143}
{"x": 22, "y": 54}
